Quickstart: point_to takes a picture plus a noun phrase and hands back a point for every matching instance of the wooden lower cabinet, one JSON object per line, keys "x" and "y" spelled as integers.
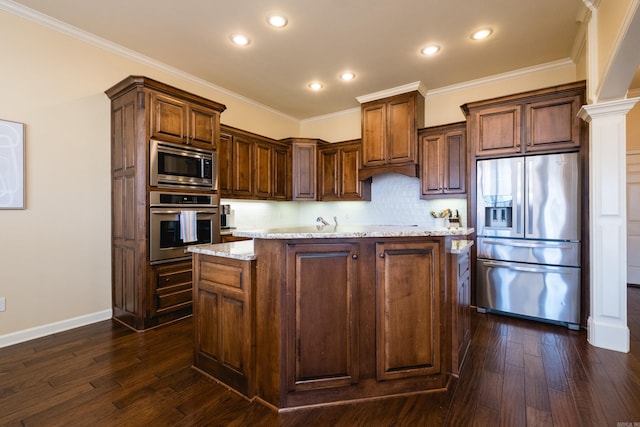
{"x": 459, "y": 270}
{"x": 172, "y": 289}
{"x": 328, "y": 320}
{"x": 321, "y": 319}
{"x": 223, "y": 320}
{"x": 408, "y": 320}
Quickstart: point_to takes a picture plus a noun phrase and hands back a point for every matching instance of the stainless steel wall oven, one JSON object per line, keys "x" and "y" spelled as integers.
{"x": 170, "y": 214}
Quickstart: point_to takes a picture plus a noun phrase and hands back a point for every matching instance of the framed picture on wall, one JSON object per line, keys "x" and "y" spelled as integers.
{"x": 11, "y": 165}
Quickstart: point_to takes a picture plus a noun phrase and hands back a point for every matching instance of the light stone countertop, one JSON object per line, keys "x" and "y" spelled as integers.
{"x": 242, "y": 250}
{"x": 350, "y": 231}
{"x": 460, "y": 246}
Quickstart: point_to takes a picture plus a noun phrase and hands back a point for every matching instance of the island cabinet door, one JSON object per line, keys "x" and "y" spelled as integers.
{"x": 321, "y": 316}
{"x": 223, "y": 321}
{"x": 408, "y": 314}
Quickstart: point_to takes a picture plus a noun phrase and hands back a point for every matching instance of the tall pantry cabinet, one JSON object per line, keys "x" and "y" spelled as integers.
{"x": 145, "y": 295}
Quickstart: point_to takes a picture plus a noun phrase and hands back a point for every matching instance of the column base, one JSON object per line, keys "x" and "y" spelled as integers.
{"x": 612, "y": 336}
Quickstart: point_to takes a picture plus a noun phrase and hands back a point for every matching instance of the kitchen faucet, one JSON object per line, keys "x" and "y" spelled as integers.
{"x": 320, "y": 219}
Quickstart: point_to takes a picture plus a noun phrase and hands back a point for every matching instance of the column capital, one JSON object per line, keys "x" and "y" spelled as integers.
{"x": 604, "y": 109}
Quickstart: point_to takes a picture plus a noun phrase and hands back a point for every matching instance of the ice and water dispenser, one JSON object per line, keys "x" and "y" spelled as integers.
{"x": 498, "y": 212}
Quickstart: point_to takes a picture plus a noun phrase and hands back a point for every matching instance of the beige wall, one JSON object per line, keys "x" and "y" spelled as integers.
{"x": 55, "y": 255}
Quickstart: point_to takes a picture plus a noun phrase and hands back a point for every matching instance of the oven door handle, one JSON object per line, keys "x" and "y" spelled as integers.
{"x": 165, "y": 212}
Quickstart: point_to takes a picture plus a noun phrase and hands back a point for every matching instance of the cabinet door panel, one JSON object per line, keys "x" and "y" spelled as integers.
{"x": 168, "y": 118}
{"x": 223, "y": 319}
{"x": 432, "y": 175}
{"x": 202, "y": 125}
{"x": 497, "y": 130}
{"x": 351, "y": 188}
{"x": 408, "y": 309}
{"x": 263, "y": 170}
{"x": 455, "y": 162}
{"x": 328, "y": 175}
{"x": 322, "y": 330}
{"x": 553, "y": 124}
{"x": 225, "y": 165}
{"x": 400, "y": 146}
{"x": 304, "y": 175}
{"x": 243, "y": 152}
{"x": 374, "y": 131}
{"x": 281, "y": 176}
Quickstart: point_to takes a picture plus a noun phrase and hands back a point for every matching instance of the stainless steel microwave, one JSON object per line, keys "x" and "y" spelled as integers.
{"x": 180, "y": 166}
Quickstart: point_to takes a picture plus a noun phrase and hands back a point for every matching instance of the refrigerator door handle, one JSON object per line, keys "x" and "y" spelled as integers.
{"x": 519, "y": 196}
{"x": 530, "y": 197}
{"x": 510, "y": 266}
{"x": 527, "y": 244}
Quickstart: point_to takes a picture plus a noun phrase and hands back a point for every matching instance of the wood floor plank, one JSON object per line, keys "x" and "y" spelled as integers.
{"x": 536, "y": 390}
{"x": 563, "y": 409}
{"x": 513, "y": 410}
{"x": 518, "y": 373}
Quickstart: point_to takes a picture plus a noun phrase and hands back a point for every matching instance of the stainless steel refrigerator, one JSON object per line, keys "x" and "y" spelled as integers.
{"x": 528, "y": 227}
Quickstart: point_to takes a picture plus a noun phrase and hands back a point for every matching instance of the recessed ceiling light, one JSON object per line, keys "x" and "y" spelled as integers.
{"x": 277, "y": 21}
{"x": 481, "y": 34}
{"x": 347, "y": 75}
{"x": 240, "y": 39}
{"x": 315, "y": 86}
{"x": 430, "y": 50}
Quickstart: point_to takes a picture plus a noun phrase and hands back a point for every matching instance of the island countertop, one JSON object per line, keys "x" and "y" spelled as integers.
{"x": 350, "y": 231}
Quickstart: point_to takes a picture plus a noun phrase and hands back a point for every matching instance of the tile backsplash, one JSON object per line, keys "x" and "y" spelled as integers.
{"x": 395, "y": 200}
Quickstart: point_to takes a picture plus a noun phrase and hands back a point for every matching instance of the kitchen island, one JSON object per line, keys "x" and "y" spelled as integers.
{"x": 304, "y": 316}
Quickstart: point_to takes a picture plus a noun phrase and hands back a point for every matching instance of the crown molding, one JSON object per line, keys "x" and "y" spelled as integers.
{"x": 410, "y": 87}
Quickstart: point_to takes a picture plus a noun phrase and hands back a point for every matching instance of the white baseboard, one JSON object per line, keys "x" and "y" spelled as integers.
{"x": 612, "y": 336}
{"x": 52, "y": 328}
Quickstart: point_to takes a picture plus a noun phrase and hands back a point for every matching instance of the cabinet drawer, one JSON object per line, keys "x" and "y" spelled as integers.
{"x": 222, "y": 274}
{"x": 173, "y": 278}
{"x": 172, "y": 299}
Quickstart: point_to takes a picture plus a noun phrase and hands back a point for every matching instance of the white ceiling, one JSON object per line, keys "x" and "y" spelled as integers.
{"x": 379, "y": 40}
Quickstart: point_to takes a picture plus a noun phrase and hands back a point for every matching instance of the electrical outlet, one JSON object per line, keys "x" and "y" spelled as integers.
{"x": 3, "y": 304}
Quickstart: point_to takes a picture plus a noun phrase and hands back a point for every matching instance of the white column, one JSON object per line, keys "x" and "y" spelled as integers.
{"x": 607, "y": 323}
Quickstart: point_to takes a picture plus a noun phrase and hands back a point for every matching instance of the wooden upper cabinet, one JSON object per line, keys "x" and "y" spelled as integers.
{"x": 390, "y": 134}
{"x": 339, "y": 172}
{"x": 374, "y": 134}
{"x": 443, "y": 156}
{"x": 179, "y": 121}
{"x": 252, "y": 166}
{"x": 281, "y": 172}
{"x": 225, "y": 167}
{"x": 553, "y": 123}
{"x": 544, "y": 120}
{"x": 304, "y": 153}
{"x": 263, "y": 169}
{"x": 328, "y": 170}
{"x": 497, "y": 130}
{"x": 242, "y": 166}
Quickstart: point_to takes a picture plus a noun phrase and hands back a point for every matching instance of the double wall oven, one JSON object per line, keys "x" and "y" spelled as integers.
{"x": 173, "y": 211}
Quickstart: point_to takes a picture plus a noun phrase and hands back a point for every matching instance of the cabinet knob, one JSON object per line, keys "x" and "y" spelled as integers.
{"x": 382, "y": 255}
{"x": 354, "y": 256}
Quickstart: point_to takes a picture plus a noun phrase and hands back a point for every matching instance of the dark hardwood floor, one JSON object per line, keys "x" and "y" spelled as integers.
{"x": 518, "y": 373}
